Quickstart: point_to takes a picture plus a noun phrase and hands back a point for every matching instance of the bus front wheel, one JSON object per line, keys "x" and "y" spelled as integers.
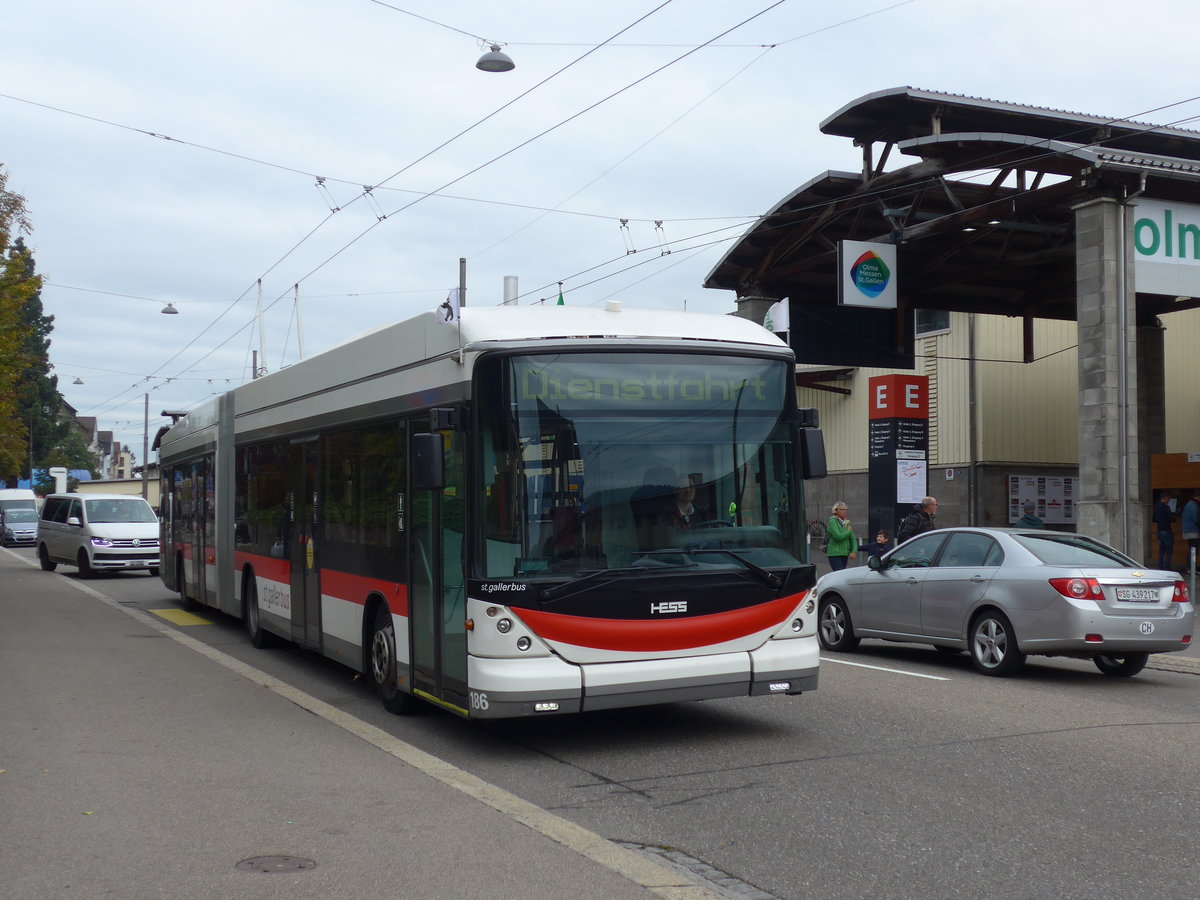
{"x": 383, "y": 663}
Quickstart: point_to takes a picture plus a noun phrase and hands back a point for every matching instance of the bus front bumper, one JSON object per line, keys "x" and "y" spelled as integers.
{"x": 504, "y": 688}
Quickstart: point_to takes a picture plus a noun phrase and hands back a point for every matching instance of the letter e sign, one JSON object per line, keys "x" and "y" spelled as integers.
{"x": 899, "y": 397}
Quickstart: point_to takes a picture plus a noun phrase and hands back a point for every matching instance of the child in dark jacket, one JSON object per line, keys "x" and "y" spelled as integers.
{"x": 881, "y": 545}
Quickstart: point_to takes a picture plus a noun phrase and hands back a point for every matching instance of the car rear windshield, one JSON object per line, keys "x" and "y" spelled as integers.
{"x": 1071, "y": 550}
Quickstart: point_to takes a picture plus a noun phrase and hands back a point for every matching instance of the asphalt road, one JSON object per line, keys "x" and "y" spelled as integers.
{"x": 905, "y": 775}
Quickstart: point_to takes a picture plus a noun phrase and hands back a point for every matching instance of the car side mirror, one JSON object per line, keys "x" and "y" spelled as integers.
{"x": 74, "y": 520}
{"x": 874, "y": 562}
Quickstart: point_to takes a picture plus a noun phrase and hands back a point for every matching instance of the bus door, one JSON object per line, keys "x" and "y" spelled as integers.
{"x": 437, "y": 593}
{"x": 195, "y": 517}
{"x": 305, "y": 544}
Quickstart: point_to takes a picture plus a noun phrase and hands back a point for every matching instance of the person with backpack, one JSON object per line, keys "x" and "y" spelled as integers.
{"x": 841, "y": 543}
{"x": 918, "y": 521}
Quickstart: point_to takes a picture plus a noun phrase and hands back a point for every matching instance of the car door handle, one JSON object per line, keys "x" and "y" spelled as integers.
{"x": 978, "y": 579}
{"x": 911, "y": 580}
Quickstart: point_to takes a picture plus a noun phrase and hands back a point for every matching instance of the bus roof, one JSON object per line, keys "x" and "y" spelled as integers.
{"x": 368, "y": 368}
{"x": 498, "y": 323}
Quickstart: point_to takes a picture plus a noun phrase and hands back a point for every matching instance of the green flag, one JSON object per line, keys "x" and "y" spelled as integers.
{"x": 560, "y": 299}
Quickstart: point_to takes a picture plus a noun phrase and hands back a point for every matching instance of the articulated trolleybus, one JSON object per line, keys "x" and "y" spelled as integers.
{"x": 528, "y": 511}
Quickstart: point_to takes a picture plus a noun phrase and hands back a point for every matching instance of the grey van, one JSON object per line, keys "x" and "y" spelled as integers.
{"x": 98, "y": 533}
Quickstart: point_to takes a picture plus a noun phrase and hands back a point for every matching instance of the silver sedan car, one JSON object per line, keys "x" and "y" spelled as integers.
{"x": 1003, "y": 594}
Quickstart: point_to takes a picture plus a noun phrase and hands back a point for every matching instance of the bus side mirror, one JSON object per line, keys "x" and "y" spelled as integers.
{"x": 812, "y": 453}
{"x": 428, "y": 461}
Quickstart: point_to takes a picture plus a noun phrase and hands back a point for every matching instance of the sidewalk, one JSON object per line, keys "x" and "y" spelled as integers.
{"x": 138, "y": 762}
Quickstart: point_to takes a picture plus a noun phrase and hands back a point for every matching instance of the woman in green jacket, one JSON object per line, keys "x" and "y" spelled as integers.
{"x": 842, "y": 545}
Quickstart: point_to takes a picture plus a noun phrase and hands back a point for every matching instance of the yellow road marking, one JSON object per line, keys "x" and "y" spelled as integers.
{"x": 179, "y": 617}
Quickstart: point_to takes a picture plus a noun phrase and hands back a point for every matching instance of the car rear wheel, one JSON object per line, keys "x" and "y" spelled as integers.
{"x": 1125, "y": 666}
{"x": 994, "y": 645}
{"x": 834, "y": 626}
{"x": 44, "y": 560}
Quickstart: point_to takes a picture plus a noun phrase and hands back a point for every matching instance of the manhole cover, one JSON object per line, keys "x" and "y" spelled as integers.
{"x": 275, "y": 864}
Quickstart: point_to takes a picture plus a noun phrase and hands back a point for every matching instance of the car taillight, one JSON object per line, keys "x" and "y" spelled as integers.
{"x": 1180, "y": 594}
{"x": 1078, "y": 588}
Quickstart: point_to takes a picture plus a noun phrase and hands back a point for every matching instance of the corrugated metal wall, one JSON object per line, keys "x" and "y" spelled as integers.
{"x": 1028, "y": 413}
{"x": 1182, "y": 348}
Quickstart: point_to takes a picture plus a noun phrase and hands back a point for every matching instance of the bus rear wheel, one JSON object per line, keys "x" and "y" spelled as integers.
{"x": 383, "y": 663}
{"x": 259, "y": 638}
{"x": 181, "y": 586}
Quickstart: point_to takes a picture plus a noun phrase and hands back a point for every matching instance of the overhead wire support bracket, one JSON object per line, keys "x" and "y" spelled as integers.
{"x": 627, "y": 237}
{"x": 373, "y": 203}
{"x": 663, "y": 249}
{"x": 333, "y": 207}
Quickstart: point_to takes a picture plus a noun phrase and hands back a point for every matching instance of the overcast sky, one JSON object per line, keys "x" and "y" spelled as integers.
{"x": 171, "y": 151}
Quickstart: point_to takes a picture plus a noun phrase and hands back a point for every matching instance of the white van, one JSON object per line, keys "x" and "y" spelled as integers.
{"x": 98, "y": 533}
{"x": 17, "y": 498}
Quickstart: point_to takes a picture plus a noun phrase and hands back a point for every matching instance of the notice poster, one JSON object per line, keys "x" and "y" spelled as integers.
{"x": 1054, "y": 498}
{"x": 911, "y": 476}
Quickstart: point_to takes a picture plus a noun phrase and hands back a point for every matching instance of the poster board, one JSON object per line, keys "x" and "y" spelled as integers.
{"x": 1056, "y": 498}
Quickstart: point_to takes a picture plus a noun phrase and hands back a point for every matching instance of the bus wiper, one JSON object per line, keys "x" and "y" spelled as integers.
{"x": 568, "y": 588}
{"x": 768, "y": 578}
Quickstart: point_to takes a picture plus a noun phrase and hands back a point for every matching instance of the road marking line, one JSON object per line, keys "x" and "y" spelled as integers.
{"x": 846, "y": 662}
{"x": 179, "y": 617}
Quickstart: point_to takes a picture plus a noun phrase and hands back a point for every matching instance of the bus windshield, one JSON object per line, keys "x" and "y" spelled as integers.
{"x": 596, "y": 462}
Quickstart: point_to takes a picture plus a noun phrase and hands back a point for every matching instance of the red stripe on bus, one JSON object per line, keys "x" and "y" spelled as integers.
{"x": 268, "y": 567}
{"x": 356, "y": 588}
{"x": 650, "y": 635}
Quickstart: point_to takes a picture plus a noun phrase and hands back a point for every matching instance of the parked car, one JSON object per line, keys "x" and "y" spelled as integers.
{"x": 97, "y": 533}
{"x": 1003, "y": 594}
{"x": 18, "y": 527}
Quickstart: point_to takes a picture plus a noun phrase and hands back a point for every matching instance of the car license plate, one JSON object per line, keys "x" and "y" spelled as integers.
{"x": 1137, "y": 595}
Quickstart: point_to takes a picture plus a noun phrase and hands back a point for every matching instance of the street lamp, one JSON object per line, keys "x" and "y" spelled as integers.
{"x": 495, "y": 61}
{"x": 169, "y": 310}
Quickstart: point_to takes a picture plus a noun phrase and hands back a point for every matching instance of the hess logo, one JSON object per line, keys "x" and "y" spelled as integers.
{"x": 668, "y": 606}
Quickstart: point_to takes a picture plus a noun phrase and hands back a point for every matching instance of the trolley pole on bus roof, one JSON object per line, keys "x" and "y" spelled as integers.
{"x": 462, "y": 301}
{"x": 146, "y": 450}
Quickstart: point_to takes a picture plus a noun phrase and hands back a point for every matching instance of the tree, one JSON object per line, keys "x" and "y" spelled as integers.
{"x": 38, "y": 401}
{"x": 70, "y": 452}
{"x": 18, "y": 286}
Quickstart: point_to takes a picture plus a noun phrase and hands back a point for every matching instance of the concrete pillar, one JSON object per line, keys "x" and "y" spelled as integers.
{"x": 1111, "y": 502}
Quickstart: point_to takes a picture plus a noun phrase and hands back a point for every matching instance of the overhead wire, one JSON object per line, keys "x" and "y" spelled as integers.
{"x": 860, "y": 200}
{"x": 513, "y": 149}
{"x": 389, "y": 178}
{"x": 429, "y": 194}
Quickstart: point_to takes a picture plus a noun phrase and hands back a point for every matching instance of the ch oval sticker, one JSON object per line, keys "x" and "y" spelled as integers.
{"x": 1146, "y": 628}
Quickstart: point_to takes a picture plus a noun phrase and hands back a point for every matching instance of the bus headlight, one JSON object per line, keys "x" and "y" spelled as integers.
{"x": 504, "y": 626}
{"x": 524, "y": 643}
{"x": 797, "y": 625}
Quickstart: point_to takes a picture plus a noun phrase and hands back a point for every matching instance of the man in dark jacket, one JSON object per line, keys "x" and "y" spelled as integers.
{"x": 918, "y": 521}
